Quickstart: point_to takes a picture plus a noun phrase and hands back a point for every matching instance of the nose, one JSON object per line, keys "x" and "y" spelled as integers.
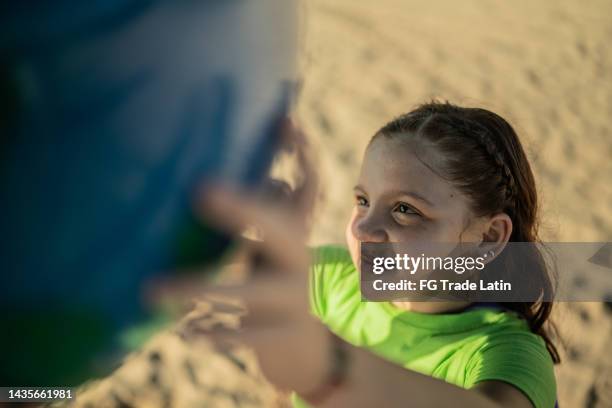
{"x": 368, "y": 229}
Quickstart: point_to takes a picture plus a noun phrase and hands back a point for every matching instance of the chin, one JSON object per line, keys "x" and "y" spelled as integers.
{"x": 353, "y": 247}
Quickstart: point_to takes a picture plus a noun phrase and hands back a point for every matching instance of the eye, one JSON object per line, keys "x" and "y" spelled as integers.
{"x": 405, "y": 209}
{"x": 361, "y": 201}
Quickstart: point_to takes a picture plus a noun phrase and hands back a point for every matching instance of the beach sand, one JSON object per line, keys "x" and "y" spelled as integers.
{"x": 544, "y": 65}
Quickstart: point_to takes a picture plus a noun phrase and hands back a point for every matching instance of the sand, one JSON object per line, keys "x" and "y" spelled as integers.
{"x": 544, "y": 65}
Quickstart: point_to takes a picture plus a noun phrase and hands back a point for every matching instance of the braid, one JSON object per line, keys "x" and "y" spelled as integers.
{"x": 484, "y": 138}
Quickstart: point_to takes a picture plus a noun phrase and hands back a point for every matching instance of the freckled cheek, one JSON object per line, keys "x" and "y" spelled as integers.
{"x": 409, "y": 232}
{"x": 406, "y": 236}
{"x": 451, "y": 230}
{"x": 440, "y": 232}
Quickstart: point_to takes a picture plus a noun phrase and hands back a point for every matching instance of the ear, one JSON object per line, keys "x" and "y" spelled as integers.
{"x": 495, "y": 235}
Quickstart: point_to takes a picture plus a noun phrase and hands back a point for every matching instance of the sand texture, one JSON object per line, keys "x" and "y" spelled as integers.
{"x": 546, "y": 66}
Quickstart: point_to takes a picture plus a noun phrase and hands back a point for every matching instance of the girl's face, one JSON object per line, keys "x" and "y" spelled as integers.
{"x": 400, "y": 199}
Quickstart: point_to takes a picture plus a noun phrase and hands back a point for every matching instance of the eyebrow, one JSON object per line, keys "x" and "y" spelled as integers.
{"x": 412, "y": 194}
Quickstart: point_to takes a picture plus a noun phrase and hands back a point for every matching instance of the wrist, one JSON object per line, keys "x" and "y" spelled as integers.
{"x": 338, "y": 364}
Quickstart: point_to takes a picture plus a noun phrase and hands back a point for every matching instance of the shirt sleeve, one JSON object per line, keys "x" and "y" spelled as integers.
{"x": 520, "y": 359}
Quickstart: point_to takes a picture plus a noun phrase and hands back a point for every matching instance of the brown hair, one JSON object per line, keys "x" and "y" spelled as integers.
{"x": 482, "y": 155}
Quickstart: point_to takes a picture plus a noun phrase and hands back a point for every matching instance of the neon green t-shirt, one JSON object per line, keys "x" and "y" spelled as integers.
{"x": 462, "y": 348}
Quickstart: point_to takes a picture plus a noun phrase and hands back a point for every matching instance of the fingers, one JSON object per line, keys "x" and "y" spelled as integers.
{"x": 305, "y": 193}
{"x": 284, "y": 235}
{"x": 282, "y": 219}
{"x": 270, "y": 294}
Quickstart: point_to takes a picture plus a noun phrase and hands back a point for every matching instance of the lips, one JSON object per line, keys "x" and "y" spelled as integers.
{"x": 367, "y": 259}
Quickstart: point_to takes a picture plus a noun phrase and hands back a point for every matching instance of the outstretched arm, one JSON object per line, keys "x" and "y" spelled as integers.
{"x": 373, "y": 381}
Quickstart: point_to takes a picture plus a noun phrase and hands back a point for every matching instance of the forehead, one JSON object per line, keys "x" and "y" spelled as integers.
{"x": 403, "y": 164}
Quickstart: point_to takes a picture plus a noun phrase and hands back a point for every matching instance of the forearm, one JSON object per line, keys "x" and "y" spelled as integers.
{"x": 373, "y": 381}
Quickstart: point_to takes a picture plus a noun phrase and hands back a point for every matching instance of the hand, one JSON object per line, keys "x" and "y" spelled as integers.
{"x": 291, "y": 345}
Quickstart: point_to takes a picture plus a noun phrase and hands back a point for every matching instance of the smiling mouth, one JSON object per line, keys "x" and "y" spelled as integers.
{"x": 366, "y": 259}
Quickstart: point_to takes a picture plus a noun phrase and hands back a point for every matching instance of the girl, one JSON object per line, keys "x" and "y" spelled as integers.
{"x": 440, "y": 173}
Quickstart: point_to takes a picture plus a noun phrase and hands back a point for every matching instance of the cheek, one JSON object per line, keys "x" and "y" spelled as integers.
{"x": 412, "y": 230}
{"x": 423, "y": 231}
